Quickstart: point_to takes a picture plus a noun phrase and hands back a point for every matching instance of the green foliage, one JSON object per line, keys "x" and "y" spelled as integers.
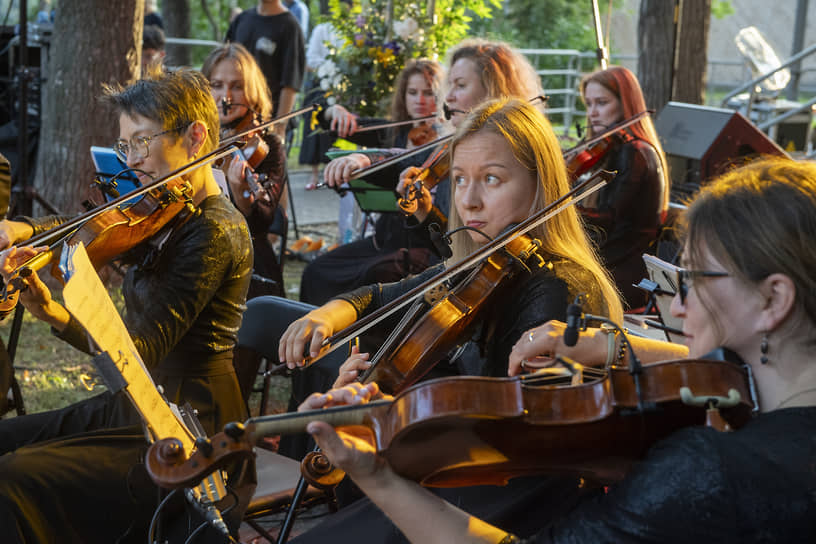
{"x": 541, "y": 24}
{"x": 721, "y": 8}
{"x": 364, "y": 62}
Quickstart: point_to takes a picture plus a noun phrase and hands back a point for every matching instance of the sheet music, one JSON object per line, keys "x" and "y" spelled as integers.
{"x": 88, "y": 301}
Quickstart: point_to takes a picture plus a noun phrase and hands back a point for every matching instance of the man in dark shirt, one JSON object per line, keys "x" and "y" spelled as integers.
{"x": 273, "y": 36}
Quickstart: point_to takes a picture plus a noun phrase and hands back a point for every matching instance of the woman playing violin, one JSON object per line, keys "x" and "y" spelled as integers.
{"x": 749, "y": 287}
{"x": 625, "y": 217}
{"x": 479, "y": 70}
{"x": 242, "y": 97}
{"x": 394, "y": 250}
{"x": 184, "y": 297}
{"x": 506, "y": 164}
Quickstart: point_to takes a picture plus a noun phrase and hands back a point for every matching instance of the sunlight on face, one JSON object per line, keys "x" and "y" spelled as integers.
{"x": 493, "y": 189}
{"x": 465, "y": 88}
{"x": 603, "y": 107}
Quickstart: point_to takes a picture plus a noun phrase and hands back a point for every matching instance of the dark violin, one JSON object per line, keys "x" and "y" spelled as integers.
{"x": 586, "y": 155}
{"x": 464, "y": 431}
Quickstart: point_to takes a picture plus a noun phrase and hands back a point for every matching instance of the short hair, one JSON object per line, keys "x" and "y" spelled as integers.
{"x": 174, "y": 99}
{"x": 256, "y": 89}
{"x": 503, "y": 70}
{"x": 758, "y": 220}
{"x": 534, "y": 144}
{"x": 153, "y": 38}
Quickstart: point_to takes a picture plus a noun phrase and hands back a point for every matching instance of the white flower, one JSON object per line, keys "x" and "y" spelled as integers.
{"x": 325, "y": 84}
{"x": 327, "y": 69}
{"x": 406, "y": 28}
{"x": 331, "y": 101}
{"x": 337, "y": 79}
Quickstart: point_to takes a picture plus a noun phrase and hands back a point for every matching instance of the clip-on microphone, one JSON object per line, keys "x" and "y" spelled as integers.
{"x": 576, "y": 321}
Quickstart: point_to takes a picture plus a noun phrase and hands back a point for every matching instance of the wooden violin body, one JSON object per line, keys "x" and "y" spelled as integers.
{"x": 450, "y": 320}
{"x": 466, "y": 431}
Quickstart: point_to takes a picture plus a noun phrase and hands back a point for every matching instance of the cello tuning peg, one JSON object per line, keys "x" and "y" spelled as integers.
{"x": 204, "y": 446}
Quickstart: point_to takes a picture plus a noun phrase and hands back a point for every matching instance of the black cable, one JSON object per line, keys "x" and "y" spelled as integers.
{"x": 152, "y": 532}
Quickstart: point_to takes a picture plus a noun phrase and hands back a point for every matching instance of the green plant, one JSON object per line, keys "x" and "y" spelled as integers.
{"x": 372, "y": 46}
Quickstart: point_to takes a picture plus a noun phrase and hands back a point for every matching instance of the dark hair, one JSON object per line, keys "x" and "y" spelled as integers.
{"x": 760, "y": 220}
{"x": 175, "y": 99}
{"x": 153, "y": 38}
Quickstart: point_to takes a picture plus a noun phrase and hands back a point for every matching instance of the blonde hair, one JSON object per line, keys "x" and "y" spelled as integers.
{"x": 502, "y": 69}
{"x": 534, "y": 145}
{"x": 256, "y": 90}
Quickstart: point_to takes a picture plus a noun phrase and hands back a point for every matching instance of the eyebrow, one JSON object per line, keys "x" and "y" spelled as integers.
{"x": 489, "y": 165}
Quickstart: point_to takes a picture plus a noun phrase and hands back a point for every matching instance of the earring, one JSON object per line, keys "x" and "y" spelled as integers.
{"x": 763, "y": 348}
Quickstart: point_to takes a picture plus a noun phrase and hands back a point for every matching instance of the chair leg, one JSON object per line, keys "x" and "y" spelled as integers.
{"x": 286, "y": 527}
{"x": 267, "y": 380}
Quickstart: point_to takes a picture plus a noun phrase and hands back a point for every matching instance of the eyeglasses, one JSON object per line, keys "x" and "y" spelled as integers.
{"x": 139, "y": 145}
{"x": 685, "y": 279}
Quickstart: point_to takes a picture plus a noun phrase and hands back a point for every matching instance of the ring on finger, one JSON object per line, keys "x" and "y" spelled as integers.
{"x": 530, "y": 336}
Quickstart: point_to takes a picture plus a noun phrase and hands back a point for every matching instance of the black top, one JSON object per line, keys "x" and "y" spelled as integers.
{"x": 530, "y": 300}
{"x": 184, "y": 302}
{"x": 277, "y": 43}
{"x": 757, "y": 484}
{"x": 625, "y": 218}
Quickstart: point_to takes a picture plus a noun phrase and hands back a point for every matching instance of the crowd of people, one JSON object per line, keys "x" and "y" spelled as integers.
{"x": 742, "y": 284}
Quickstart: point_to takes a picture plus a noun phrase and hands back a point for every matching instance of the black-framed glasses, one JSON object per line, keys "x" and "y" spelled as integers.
{"x": 140, "y": 144}
{"x": 685, "y": 279}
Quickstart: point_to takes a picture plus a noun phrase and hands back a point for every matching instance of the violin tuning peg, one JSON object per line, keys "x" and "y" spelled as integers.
{"x": 204, "y": 446}
{"x": 234, "y": 430}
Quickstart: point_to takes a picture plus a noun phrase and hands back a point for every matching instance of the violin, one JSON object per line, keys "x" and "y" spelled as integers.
{"x": 422, "y": 134}
{"x": 435, "y": 168}
{"x": 581, "y": 158}
{"x": 115, "y": 227}
{"x": 470, "y": 430}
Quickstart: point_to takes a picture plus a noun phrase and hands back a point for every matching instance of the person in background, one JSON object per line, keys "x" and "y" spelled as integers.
{"x": 301, "y": 13}
{"x": 273, "y": 36}
{"x": 152, "y": 15}
{"x": 153, "y": 52}
{"x": 626, "y": 215}
{"x": 242, "y": 97}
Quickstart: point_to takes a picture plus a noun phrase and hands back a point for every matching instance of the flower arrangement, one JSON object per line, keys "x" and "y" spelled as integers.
{"x": 378, "y": 37}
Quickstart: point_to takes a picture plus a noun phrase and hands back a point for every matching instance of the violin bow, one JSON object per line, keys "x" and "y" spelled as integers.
{"x": 575, "y": 195}
{"x": 69, "y": 226}
{"x": 263, "y": 126}
{"x": 390, "y": 124}
{"x": 611, "y": 130}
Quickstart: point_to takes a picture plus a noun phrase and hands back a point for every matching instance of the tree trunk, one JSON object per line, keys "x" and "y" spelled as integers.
{"x": 656, "y": 51}
{"x": 692, "y": 47}
{"x": 177, "y": 23}
{"x": 72, "y": 119}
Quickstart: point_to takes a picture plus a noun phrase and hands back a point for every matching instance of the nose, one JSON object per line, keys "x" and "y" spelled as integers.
{"x": 677, "y": 309}
{"x": 449, "y": 97}
{"x": 470, "y": 196}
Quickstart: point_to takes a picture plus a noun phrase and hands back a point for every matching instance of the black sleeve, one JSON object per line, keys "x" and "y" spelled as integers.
{"x": 678, "y": 493}
{"x": 371, "y": 297}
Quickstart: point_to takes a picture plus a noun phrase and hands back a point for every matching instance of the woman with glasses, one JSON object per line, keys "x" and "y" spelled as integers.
{"x": 748, "y": 286}
{"x": 243, "y": 98}
{"x": 184, "y": 294}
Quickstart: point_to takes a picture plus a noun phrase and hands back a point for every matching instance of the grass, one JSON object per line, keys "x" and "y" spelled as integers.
{"x": 53, "y": 374}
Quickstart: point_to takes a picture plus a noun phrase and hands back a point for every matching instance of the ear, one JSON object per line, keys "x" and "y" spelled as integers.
{"x": 779, "y": 293}
{"x": 197, "y": 134}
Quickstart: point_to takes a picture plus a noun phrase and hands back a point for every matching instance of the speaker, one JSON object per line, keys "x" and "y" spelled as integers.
{"x": 701, "y": 142}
